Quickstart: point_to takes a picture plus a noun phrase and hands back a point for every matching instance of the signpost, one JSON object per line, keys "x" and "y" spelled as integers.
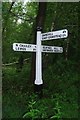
{"x": 55, "y": 35}
{"x": 38, "y": 48}
{"x": 33, "y": 48}
{"x": 52, "y": 49}
{"x": 24, "y": 47}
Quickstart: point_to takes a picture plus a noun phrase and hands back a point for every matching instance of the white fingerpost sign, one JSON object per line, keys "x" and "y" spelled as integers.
{"x": 38, "y": 48}
{"x": 24, "y": 47}
{"x": 51, "y": 49}
{"x": 55, "y": 35}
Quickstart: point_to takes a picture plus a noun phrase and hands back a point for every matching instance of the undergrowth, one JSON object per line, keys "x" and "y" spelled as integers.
{"x": 60, "y": 93}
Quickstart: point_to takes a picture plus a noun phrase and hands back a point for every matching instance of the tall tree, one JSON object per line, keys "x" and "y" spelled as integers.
{"x": 10, "y": 8}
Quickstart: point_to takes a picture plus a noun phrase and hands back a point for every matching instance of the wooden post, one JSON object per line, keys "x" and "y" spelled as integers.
{"x": 38, "y": 77}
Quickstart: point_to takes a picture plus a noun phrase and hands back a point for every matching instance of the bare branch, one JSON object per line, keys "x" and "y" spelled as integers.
{"x": 19, "y": 17}
{"x": 9, "y": 64}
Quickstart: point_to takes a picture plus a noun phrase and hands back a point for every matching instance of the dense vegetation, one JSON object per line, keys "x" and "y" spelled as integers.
{"x": 60, "y": 71}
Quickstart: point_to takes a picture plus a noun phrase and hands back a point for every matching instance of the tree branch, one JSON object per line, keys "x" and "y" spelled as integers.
{"x": 29, "y": 19}
{"x": 9, "y": 64}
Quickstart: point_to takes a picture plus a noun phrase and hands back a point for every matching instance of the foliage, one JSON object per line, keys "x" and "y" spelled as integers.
{"x": 18, "y": 27}
{"x": 61, "y": 76}
{"x": 58, "y": 94}
{"x": 40, "y": 108}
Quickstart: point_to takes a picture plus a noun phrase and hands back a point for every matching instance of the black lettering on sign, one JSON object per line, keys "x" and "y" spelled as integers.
{"x": 18, "y": 48}
{"x": 23, "y": 45}
{"x": 56, "y": 50}
{"x": 17, "y": 45}
{"x": 60, "y": 35}
{"x": 61, "y": 49}
{"x": 47, "y": 48}
{"x": 57, "y": 36}
{"x": 64, "y": 35}
{"x": 43, "y": 47}
{"x": 53, "y": 36}
{"x": 49, "y": 34}
{"x": 64, "y": 31}
{"x": 29, "y": 46}
{"x": 20, "y": 45}
{"x": 44, "y": 50}
{"x": 44, "y": 37}
{"x": 15, "y": 48}
{"x": 34, "y": 49}
{"x": 22, "y": 48}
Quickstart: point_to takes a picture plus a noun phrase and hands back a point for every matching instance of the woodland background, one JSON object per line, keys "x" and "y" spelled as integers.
{"x": 61, "y": 72}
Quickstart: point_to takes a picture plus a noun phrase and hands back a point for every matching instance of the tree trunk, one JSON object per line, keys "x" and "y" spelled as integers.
{"x": 7, "y": 16}
{"x": 20, "y": 63}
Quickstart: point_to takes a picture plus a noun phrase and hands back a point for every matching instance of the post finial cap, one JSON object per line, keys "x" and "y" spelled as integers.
{"x": 39, "y": 28}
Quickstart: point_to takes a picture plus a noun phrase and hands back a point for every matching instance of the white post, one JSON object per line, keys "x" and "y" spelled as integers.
{"x": 38, "y": 79}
